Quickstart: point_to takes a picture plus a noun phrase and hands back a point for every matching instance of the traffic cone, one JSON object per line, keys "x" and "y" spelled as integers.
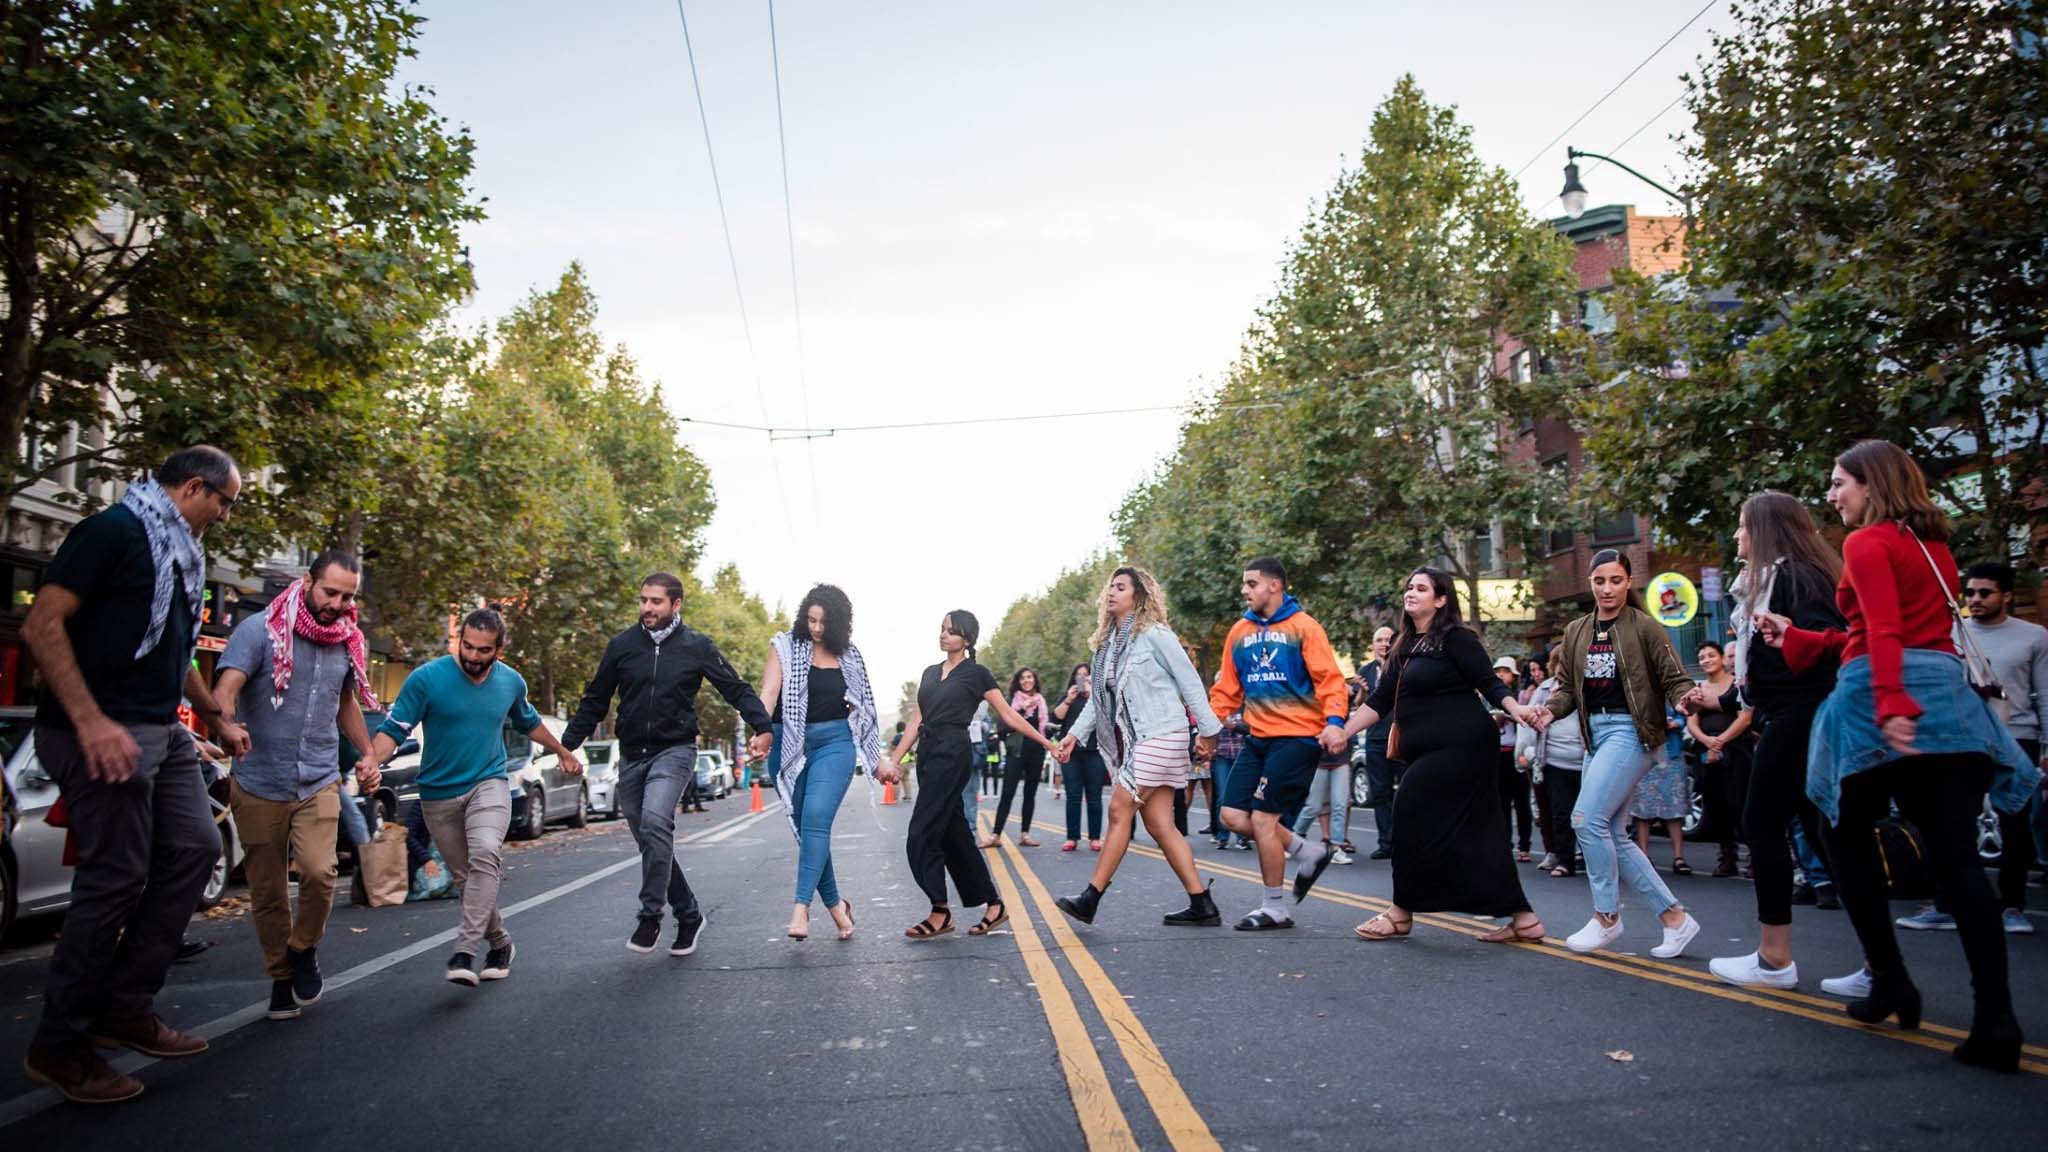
{"x": 888, "y": 792}
{"x": 756, "y": 805}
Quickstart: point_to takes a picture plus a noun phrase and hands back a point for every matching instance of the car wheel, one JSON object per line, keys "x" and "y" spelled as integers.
{"x": 1990, "y": 837}
{"x": 223, "y": 868}
{"x": 581, "y": 817}
{"x": 6, "y": 894}
{"x": 536, "y": 816}
{"x": 1361, "y": 789}
{"x": 1695, "y": 815}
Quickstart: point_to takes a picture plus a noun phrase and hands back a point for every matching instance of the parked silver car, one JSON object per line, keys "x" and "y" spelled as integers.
{"x": 542, "y": 794}
{"x": 601, "y": 778}
{"x": 34, "y": 880}
{"x": 714, "y": 779}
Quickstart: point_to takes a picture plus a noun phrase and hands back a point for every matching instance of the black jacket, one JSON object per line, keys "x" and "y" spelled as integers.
{"x": 1808, "y": 600}
{"x": 657, "y": 691}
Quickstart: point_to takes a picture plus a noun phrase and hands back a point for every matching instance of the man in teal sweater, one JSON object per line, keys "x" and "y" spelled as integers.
{"x": 465, "y": 701}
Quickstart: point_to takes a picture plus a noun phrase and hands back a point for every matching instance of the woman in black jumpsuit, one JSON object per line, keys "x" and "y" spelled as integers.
{"x": 1450, "y": 835}
{"x": 940, "y": 839}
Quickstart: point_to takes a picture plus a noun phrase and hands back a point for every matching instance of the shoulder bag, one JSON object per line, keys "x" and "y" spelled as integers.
{"x": 1976, "y": 666}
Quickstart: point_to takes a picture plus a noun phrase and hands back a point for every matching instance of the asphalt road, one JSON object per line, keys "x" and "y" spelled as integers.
{"x": 1125, "y": 1034}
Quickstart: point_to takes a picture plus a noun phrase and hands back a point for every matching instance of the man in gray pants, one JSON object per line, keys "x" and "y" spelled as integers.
{"x": 112, "y": 631}
{"x": 655, "y": 669}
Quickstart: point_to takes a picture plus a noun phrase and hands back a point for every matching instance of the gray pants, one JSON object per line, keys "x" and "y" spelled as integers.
{"x": 649, "y": 790}
{"x": 145, "y": 849}
{"x": 470, "y": 832}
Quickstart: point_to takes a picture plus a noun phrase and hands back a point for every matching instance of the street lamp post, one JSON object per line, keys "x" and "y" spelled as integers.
{"x": 1574, "y": 194}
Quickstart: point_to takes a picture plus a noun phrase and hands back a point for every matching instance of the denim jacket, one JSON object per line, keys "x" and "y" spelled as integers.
{"x": 1157, "y": 688}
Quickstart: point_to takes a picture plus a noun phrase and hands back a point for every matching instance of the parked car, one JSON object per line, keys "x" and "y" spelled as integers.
{"x": 601, "y": 778}
{"x": 714, "y": 779}
{"x": 542, "y": 793}
{"x": 401, "y": 775}
{"x": 34, "y": 880}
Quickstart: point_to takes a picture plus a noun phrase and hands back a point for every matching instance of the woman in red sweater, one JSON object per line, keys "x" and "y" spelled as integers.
{"x": 1904, "y": 725}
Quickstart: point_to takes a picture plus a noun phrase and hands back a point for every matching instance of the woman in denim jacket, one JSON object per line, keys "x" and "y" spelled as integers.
{"x": 1145, "y": 688}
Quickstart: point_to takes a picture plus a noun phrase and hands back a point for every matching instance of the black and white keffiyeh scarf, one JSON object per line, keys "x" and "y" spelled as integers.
{"x": 174, "y": 553}
{"x": 1112, "y": 720}
{"x": 796, "y": 704}
{"x": 660, "y": 637}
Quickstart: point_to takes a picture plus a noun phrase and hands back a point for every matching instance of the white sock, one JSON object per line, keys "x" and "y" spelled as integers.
{"x": 1275, "y": 904}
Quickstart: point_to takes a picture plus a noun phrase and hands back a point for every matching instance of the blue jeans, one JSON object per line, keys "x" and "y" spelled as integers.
{"x": 1085, "y": 776}
{"x": 1220, "y": 769}
{"x": 1614, "y": 767}
{"x": 649, "y": 791}
{"x": 1809, "y": 858}
{"x": 828, "y": 769}
{"x": 1331, "y": 789}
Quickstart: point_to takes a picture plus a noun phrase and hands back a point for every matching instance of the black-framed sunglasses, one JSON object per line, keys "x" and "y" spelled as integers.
{"x": 1979, "y": 593}
{"x": 226, "y": 501}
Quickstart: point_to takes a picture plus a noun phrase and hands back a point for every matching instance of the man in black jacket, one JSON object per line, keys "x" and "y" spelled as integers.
{"x": 655, "y": 668}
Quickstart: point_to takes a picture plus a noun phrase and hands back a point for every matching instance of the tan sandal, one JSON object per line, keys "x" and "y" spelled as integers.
{"x": 990, "y": 923}
{"x": 1509, "y": 933}
{"x": 1384, "y": 927}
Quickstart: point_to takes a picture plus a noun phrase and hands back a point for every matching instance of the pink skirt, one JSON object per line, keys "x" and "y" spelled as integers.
{"x": 1159, "y": 762}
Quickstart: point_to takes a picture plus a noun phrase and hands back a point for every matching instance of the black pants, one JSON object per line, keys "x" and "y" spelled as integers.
{"x": 1180, "y": 811}
{"x": 1942, "y": 796}
{"x": 1561, "y": 785}
{"x": 1514, "y": 797}
{"x": 940, "y": 839}
{"x": 1085, "y": 775}
{"x": 1384, "y": 776}
{"x": 2018, "y": 844}
{"x": 1026, "y": 768}
{"x": 1724, "y": 791}
{"x": 1777, "y": 796}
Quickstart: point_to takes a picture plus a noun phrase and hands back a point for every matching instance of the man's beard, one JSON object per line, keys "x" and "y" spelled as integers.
{"x": 655, "y": 623}
{"x": 327, "y": 617}
{"x": 478, "y": 668}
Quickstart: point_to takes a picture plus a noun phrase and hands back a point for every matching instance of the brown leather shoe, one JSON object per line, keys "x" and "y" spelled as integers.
{"x": 82, "y": 1079}
{"x": 148, "y": 1035}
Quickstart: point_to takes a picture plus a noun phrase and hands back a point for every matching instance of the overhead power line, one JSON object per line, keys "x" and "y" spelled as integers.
{"x": 796, "y": 301}
{"x": 1644, "y": 63}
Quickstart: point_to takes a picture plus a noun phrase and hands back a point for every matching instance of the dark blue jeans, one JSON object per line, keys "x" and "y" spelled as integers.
{"x": 1085, "y": 776}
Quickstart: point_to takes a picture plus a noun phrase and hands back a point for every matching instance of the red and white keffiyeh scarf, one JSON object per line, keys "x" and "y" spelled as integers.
{"x": 291, "y": 607}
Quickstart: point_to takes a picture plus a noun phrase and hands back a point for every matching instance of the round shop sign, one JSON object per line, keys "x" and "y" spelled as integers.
{"x": 1672, "y": 599}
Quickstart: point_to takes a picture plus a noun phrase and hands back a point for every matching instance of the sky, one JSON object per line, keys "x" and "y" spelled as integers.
{"x": 998, "y": 210}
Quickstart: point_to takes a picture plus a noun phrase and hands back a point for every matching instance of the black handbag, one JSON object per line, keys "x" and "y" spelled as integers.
{"x": 1899, "y": 851}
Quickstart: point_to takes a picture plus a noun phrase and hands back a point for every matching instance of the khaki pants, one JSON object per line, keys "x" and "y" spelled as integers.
{"x": 273, "y": 833}
{"x": 470, "y": 831}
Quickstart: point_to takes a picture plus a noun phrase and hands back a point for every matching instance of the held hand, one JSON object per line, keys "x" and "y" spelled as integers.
{"x": 1205, "y": 748}
{"x": 1539, "y": 718}
{"x": 1772, "y": 627}
{"x": 1899, "y": 732}
{"x": 110, "y": 752}
{"x": 234, "y": 738}
{"x": 889, "y": 773}
{"x": 759, "y": 745}
{"x": 1333, "y": 739}
{"x": 368, "y": 777}
{"x": 570, "y": 763}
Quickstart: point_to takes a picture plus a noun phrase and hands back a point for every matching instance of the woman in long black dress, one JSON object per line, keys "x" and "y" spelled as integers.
{"x": 940, "y": 840}
{"x": 1450, "y": 836}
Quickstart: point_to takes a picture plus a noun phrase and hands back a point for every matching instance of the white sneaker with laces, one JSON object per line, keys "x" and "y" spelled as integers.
{"x": 1343, "y": 857}
{"x": 1675, "y": 939}
{"x": 2016, "y": 922}
{"x": 1749, "y": 971}
{"x": 1854, "y": 986}
{"x": 1594, "y": 936}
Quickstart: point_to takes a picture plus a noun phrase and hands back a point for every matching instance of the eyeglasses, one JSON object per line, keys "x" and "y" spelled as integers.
{"x": 226, "y": 501}
{"x": 1979, "y": 593}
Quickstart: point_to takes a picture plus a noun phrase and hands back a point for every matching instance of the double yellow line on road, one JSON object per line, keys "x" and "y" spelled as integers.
{"x": 1930, "y": 1035}
{"x": 1102, "y": 1119}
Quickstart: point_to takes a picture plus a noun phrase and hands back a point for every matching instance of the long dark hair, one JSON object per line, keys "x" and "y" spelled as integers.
{"x": 1781, "y": 531}
{"x": 968, "y": 628}
{"x": 1617, "y": 556}
{"x": 838, "y": 618}
{"x": 1446, "y": 618}
{"x": 1074, "y": 677}
{"x": 1898, "y": 489}
{"x": 1017, "y": 681}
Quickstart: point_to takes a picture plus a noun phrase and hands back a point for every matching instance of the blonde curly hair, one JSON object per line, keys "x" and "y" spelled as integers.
{"x": 1150, "y": 608}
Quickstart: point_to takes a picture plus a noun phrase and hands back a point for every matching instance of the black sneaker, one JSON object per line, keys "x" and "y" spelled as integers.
{"x": 1305, "y": 880}
{"x": 1381, "y": 853}
{"x": 282, "y": 1006}
{"x": 462, "y": 969}
{"x": 1824, "y": 897}
{"x": 645, "y": 933}
{"x": 498, "y": 961}
{"x": 189, "y": 950}
{"x": 688, "y": 932}
{"x": 1801, "y": 894}
{"x": 306, "y": 982}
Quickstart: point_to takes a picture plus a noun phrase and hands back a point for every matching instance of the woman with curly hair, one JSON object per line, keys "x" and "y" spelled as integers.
{"x": 1145, "y": 688}
{"x": 824, "y": 711}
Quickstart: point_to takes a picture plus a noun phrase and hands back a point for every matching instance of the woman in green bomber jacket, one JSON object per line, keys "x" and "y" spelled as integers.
{"x": 1619, "y": 671}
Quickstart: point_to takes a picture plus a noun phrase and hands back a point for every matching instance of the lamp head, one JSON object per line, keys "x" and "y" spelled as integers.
{"x": 1574, "y": 194}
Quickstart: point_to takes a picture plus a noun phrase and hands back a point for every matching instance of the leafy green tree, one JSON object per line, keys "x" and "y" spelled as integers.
{"x": 1866, "y": 262}
{"x": 1048, "y": 632}
{"x": 742, "y": 627}
{"x": 230, "y": 217}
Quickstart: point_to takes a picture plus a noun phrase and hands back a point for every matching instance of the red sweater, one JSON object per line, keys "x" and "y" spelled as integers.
{"x": 1890, "y": 598}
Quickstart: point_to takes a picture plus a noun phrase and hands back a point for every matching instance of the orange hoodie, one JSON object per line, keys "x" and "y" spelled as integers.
{"x": 1282, "y": 674}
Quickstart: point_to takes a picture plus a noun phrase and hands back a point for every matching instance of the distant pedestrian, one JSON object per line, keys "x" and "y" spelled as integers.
{"x": 296, "y": 677}
{"x": 464, "y": 701}
{"x": 1139, "y": 718}
{"x": 1382, "y": 775}
{"x": 1725, "y": 743}
{"x": 1024, "y": 759}
{"x": 1514, "y": 783}
{"x": 1085, "y": 771}
{"x": 112, "y": 630}
{"x": 824, "y": 714}
{"x": 1665, "y": 794}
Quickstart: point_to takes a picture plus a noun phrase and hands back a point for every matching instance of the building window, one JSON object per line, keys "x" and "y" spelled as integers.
{"x": 1522, "y": 366}
{"x": 1614, "y": 527}
{"x": 1482, "y": 551}
{"x": 1559, "y": 538}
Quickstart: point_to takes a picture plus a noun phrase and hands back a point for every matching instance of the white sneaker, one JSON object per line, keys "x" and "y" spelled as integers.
{"x": 2016, "y": 922}
{"x": 1342, "y": 857}
{"x": 1675, "y": 939}
{"x": 1854, "y": 986}
{"x": 1749, "y": 971}
{"x": 1594, "y": 936}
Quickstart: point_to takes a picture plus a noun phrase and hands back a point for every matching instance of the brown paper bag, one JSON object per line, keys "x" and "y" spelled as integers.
{"x": 380, "y": 864}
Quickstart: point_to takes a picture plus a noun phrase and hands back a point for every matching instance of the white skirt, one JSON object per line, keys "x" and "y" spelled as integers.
{"x": 1159, "y": 762}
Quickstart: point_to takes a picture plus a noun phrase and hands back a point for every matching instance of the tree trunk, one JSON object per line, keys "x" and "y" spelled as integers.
{"x": 19, "y": 215}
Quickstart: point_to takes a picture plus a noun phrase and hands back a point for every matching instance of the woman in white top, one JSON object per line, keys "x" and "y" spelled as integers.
{"x": 1145, "y": 689}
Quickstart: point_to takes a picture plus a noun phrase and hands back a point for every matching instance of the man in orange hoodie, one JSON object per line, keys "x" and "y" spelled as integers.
{"x": 1280, "y": 671}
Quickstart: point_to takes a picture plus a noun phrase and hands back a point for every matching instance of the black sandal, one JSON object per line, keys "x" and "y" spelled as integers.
{"x": 991, "y": 923}
{"x": 1680, "y": 868}
{"x": 924, "y": 929}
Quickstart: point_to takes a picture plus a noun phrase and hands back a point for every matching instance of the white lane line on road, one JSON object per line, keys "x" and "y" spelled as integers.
{"x": 29, "y": 1103}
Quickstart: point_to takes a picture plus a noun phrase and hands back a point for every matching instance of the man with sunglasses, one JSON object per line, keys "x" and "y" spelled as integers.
{"x": 112, "y": 630}
{"x": 2018, "y": 651}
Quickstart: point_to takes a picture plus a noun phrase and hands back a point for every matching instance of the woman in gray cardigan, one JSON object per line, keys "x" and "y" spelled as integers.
{"x": 1145, "y": 690}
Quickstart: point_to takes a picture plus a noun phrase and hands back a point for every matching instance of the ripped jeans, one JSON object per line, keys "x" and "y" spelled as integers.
{"x": 1614, "y": 766}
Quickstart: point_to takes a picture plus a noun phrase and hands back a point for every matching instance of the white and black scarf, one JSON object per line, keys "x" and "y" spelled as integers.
{"x": 175, "y": 554}
{"x": 796, "y": 705}
{"x": 661, "y": 637}
{"x": 1104, "y": 671}
{"x": 1752, "y": 589}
